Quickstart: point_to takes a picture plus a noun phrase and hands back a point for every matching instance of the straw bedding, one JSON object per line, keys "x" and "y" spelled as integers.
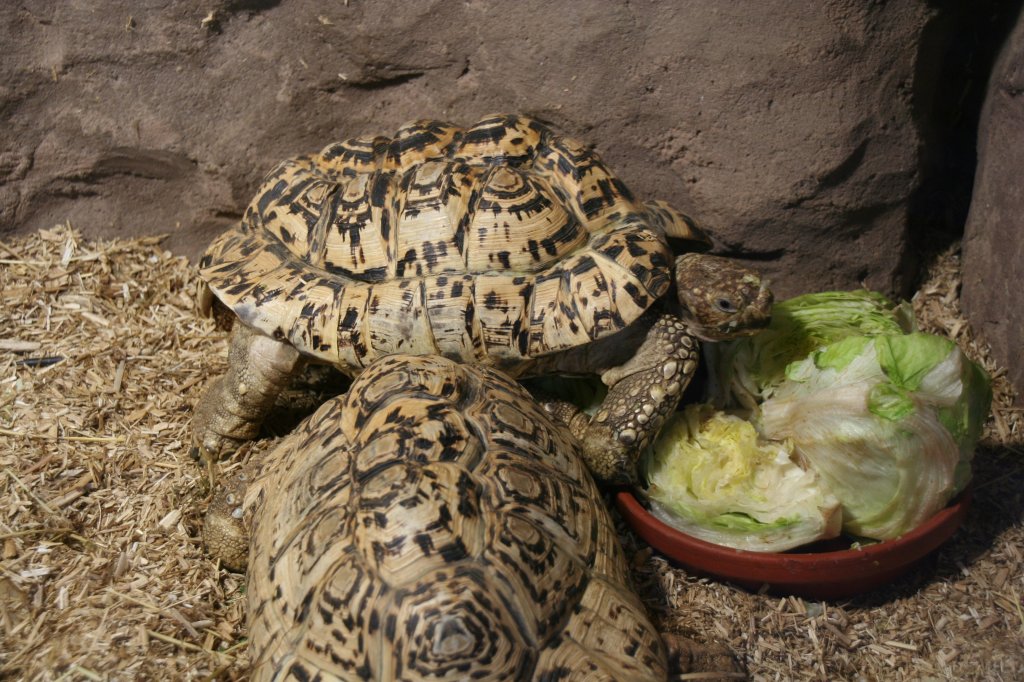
{"x": 102, "y": 576}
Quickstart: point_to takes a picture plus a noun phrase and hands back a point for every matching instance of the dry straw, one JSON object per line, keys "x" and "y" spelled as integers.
{"x": 102, "y": 578}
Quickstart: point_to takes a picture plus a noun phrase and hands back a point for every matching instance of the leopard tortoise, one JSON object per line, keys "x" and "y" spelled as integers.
{"x": 501, "y": 244}
{"x": 434, "y": 523}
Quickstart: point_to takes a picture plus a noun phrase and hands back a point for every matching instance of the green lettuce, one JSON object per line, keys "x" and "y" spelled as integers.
{"x": 890, "y": 422}
{"x": 748, "y": 369}
{"x": 711, "y": 476}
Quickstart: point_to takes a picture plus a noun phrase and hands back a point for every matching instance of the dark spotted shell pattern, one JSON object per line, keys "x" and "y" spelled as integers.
{"x": 433, "y": 523}
{"x": 494, "y": 244}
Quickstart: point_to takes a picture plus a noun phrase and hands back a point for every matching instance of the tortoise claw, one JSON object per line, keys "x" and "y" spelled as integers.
{"x": 224, "y": 531}
{"x": 608, "y": 460}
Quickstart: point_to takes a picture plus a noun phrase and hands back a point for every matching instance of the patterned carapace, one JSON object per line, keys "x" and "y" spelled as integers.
{"x": 433, "y": 523}
{"x": 495, "y": 244}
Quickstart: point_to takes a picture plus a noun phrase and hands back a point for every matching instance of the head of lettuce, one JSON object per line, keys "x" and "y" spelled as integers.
{"x": 890, "y": 423}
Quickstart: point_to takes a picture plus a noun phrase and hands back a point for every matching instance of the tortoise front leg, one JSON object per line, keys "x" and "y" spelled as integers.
{"x": 642, "y": 393}
{"x": 233, "y": 406}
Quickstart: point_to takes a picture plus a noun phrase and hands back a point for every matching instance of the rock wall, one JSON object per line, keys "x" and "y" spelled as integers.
{"x": 789, "y": 129}
{"x": 993, "y": 246}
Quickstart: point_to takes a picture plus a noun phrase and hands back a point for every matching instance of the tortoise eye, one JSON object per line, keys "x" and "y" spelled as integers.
{"x": 725, "y": 305}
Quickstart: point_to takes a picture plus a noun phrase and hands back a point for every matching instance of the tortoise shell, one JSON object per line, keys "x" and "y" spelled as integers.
{"x": 496, "y": 244}
{"x": 434, "y": 523}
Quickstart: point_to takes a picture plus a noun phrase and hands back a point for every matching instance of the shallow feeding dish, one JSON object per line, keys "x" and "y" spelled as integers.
{"x": 828, "y": 569}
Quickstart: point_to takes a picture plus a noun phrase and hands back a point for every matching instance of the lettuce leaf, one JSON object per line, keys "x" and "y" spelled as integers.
{"x": 749, "y": 368}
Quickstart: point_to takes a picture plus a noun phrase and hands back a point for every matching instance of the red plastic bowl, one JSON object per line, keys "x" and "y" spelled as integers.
{"x": 815, "y": 572}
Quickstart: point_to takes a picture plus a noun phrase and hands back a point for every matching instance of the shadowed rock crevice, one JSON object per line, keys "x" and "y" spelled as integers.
{"x": 250, "y": 5}
{"x": 956, "y": 55}
{"x": 155, "y": 164}
{"x": 382, "y": 81}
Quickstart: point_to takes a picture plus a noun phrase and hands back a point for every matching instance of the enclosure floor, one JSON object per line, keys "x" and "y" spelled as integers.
{"x": 102, "y": 575}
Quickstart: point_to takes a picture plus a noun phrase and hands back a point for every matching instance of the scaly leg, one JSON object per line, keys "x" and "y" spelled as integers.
{"x": 233, "y": 406}
{"x": 225, "y": 533}
{"x": 688, "y": 657}
{"x": 642, "y": 393}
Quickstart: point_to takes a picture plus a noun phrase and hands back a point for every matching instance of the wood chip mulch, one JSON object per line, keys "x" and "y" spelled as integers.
{"x": 102, "y": 575}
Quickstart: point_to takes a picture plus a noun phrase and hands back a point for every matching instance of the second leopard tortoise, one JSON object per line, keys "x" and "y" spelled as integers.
{"x": 434, "y": 523}
{"x": 500, "y": 244}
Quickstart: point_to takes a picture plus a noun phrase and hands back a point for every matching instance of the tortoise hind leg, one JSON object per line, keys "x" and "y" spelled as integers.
{"x": 642, "y": 393}
{"x": 233, "y": 406}
{"x": 225, "y": 533}
{"x": 702, "y": 661}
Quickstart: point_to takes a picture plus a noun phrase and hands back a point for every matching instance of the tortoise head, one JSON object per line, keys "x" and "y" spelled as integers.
{"x": 721, "y": 299}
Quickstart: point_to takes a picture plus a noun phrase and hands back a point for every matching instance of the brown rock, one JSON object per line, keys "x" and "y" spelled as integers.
{"x": 786, "y": 128}
{"x": 993, "y": 246}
